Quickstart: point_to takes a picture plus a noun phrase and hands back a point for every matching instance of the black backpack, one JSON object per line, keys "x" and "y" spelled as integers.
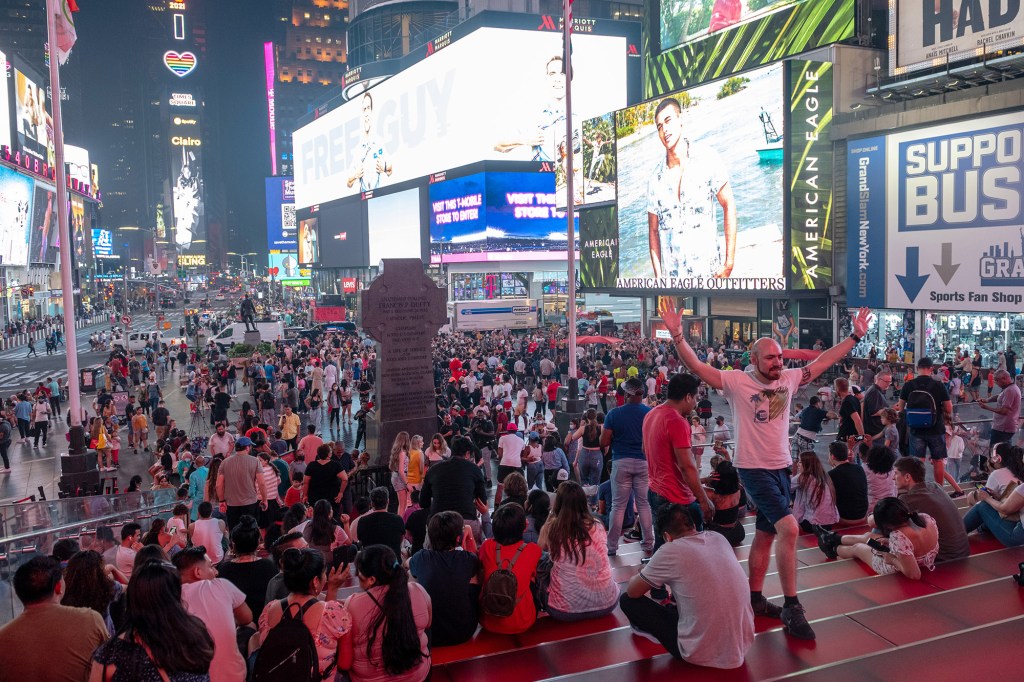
{"x": 288, "y": 652}
{"x": 922, "y": 411}
{"x": 500, "y": 595}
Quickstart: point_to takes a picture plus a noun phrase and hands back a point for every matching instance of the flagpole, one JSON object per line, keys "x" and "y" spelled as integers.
{"x": 77, "y": 433}
{"x": 570, "y": 304}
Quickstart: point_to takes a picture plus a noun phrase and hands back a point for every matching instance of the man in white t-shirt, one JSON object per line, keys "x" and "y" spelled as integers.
{"x": 220, "y": 605}
{"x": 510, "y": 450}
{"x": 713, "y": 628}
{"x": 760, "y": 403}
{"x": 124, "y": 558}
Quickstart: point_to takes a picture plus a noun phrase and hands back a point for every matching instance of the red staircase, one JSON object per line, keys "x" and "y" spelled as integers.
{"x": 867, "y": 626}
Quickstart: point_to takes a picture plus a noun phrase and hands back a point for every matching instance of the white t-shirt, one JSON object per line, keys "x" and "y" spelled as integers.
{"x": 124, "y": 560}
{"x": 208, "y": 534}
{"x": 760, "y": 415}
{"x": 955, "y": 448}
{"x": 998, "y": 480}
{"x": 214, "y": 602}
{"x": 716, "y": 627}
{"x": 511, "y": 446}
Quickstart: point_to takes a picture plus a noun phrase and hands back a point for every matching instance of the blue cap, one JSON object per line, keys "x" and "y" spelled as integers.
{"x": 243, "y": 442}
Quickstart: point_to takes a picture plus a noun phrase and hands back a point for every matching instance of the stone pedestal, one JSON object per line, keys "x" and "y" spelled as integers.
{"x": 252, "y": 339}
{"x": 402, "y": 310}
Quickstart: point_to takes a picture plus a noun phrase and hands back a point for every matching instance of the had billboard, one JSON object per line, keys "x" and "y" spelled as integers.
{"x": 16, "y": 195}
{"x": 443, "y": 112}
{"x": 932, "y": 33}
{"x": 936, "y": 217}
{"x": 700, "y": 190}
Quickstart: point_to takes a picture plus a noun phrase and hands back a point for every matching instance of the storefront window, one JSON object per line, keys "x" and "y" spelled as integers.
{"x": 945, "y": 333}
{"x": 888, "y": 330}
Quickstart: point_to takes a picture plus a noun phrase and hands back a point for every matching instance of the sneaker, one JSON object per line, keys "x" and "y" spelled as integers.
{"x": 765, "y": 608}
{"x": 611, "y": 552}
{"x": 794, "y": 622}
{"x": 954, "y": 495}
{"x": 633, "y": 535}
{"x": 827, "y": 542}
{"x": 645, "y": 635}
{"x": 6, "y": 470}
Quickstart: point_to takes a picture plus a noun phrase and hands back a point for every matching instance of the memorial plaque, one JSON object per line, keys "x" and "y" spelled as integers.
{"x": 402, "y": 310}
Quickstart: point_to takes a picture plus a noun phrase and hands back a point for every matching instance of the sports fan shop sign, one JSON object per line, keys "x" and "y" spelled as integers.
{"x": 935, "y": 217}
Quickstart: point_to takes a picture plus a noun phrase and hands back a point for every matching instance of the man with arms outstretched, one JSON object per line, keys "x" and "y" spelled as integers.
{"x": 760, "y": 403}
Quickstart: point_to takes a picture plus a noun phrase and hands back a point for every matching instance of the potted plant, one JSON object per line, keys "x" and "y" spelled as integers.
{"x": 239, "y": 354}
{"x": 265, "y": 349}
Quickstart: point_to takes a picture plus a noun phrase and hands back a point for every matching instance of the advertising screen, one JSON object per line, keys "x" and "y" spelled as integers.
{"x": 309, "y": 241}
{"x": 936, "y": 217}
{"x": 15, "y": 216}
{"x": 103, "y": 244}
{"x": 943, "y": 32}
{"x": 745, "y": 35}
{"x": 700, "y": 195}
{"x": 599, "y": 247}
{"x": 5, "y": 105}
{"x": 82, "y": 233}
{"x": 496, "y": 216}
{"x": 281, "y": 226}
{"x": 33, "y": 120}
{"x": 77, "y": 161}
{"x": 598, "y": 159}
{"x": 288, "y": 272}
{"x": 187, "y": 179}
{"x": 342, "y": 234}
{"x": 393, "y": 223}
{"x": 809, "y": 137}
{"x": 442, "y": 112}
{"x": 686, "y": 20}
{"x": 45, "y": 239}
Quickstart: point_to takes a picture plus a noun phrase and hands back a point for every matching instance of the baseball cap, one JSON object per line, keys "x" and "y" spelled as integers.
{"x": 562, "y": 475}
{"x": 534, "y": 435}
{"x": 925, "y": 362}
{"x": 512, "y": 428}
{"x": 719, "y": 418}
{"x": 633, "y": 387}
{"x": 243, "y": 442}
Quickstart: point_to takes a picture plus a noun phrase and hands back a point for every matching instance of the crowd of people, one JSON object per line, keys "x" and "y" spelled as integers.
{"x": 509, "y": 512}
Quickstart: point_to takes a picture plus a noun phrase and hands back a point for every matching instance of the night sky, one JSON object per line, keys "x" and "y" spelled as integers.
{"x": 234, "y": 90}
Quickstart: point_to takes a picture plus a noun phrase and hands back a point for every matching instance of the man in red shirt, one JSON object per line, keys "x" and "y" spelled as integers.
{"x": 671, "y": 466}
{"x": 552, "y": 391}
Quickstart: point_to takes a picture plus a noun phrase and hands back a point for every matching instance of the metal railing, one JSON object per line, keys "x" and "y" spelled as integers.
{"x": 32, "y": 528}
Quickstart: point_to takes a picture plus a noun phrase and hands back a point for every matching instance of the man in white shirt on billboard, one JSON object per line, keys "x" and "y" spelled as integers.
{"x": 682, "y": 195}
{"x": 370, "y": 160}
{"x": 760, "y": 403}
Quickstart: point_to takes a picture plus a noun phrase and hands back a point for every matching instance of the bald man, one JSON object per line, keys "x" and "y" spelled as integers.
{"x": 760, "y": 403}
{"x": 1006, "y": 410}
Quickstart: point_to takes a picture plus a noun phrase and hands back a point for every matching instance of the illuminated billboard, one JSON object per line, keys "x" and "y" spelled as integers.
{"x": 342, "y": 233}
{"x": 936, "y": 217}
{"x": 5, "y": 105}
{"x": 934, "y": 34}
{"x": 700, "y": 190}
{"x": 76, "y": 160}
{"x": 393, "y": 226}
{"x": 288, "y": 272}
{"x": 189, "y": 208}
{"x": 689, "y": 42}
{"x": 442, "y": 112}
{"x": 598, "y": 162}
{"x": 103, "y": 244}
{"x": 308, "y": 241}
{"x": 44, "y": 246}
{"x": 82, "y": 233}
{"x": 496, "y": 216}
{"x": 33, "y": 119}
{"x": 281, "y": 225}
{"x": 16, "y": 192}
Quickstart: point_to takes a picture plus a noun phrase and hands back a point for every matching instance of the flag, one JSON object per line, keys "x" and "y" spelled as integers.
{"x": 66, "y": 35}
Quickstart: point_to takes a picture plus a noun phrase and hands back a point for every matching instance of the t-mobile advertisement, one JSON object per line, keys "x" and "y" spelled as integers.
{"x": 497, "y": 216}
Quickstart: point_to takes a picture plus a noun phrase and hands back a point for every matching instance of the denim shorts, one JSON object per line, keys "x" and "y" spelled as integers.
{"x": 935, "y": 444}
{"x": 769, "y": 489}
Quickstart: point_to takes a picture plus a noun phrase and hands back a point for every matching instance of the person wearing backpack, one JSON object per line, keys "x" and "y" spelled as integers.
{"x": 508, "y": 566}
{"x": 302, "y": 638}
{"x": 926, "y": 407}
{"x": 6, "y": 430}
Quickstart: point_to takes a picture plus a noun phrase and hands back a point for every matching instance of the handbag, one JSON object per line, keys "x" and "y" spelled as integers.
{"x": 542, "y": 582}
{"x": 101, "y": 439}
{"x": 1010, "y": 487}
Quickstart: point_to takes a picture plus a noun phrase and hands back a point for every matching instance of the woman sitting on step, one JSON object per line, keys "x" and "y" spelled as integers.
{"x": 909, "y": 541}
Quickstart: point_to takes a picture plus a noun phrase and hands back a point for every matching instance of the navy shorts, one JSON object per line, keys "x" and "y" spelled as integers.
{"x": 769, "y": 489}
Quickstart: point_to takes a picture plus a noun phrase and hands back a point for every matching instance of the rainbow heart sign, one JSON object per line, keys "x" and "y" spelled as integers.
{"x": 180, "y": 64}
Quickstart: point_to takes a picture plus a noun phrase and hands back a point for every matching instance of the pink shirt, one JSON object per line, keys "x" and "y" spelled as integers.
{"x": 363, "y": 611}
